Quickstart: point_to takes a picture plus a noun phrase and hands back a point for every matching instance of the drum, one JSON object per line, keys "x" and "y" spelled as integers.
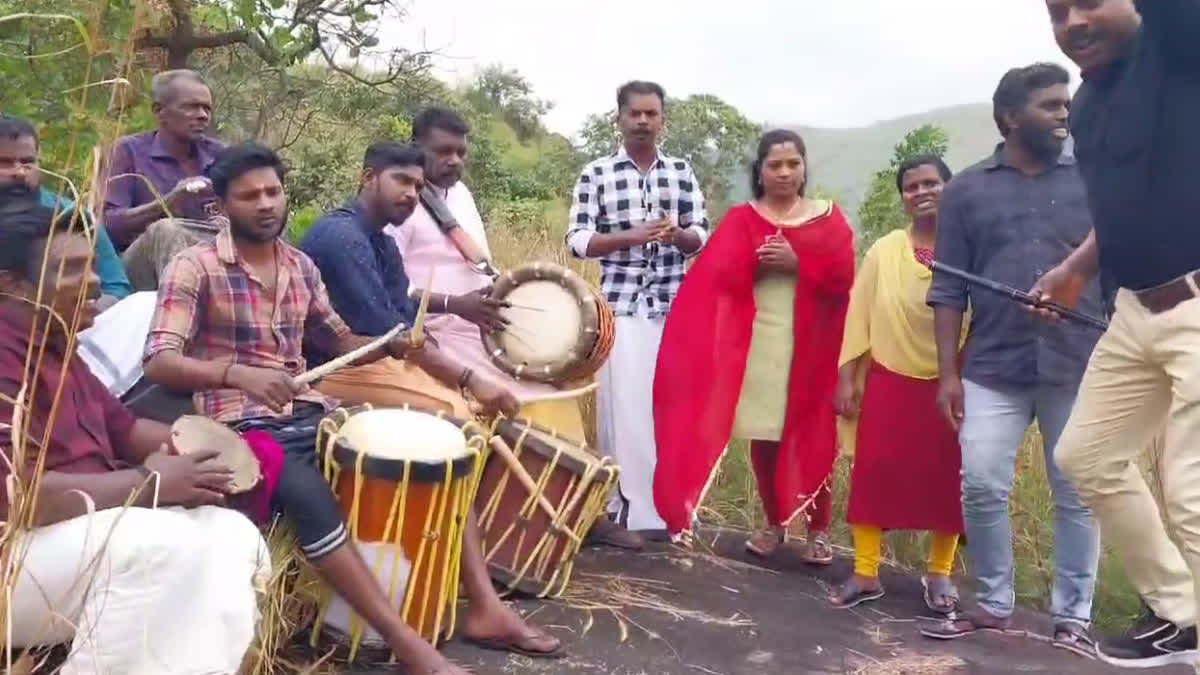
{"x": 192, "y": 433}
{"x": 539, "y": 495}
{"x": 404, "y": 479}
{"x": 560, "y": 327}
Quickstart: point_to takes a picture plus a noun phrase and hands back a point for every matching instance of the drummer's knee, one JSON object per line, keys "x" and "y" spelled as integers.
{"x": 309, "y": 505}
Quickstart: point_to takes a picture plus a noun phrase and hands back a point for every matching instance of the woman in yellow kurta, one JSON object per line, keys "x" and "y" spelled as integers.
{"x": 907, "y": 458}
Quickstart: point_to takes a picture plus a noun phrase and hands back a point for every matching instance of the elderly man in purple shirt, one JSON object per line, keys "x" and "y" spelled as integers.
{"x": 158, "y": 201}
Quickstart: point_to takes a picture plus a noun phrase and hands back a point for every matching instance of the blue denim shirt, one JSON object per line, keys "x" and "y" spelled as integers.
{"x": 362, "y": 271}
{"x": 109, "y": 267}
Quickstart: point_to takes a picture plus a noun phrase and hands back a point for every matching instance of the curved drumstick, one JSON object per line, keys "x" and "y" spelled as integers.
{"x": 559, "y": 395}
{"x": 347, "y": 358}
{"x": 418, "y": 331}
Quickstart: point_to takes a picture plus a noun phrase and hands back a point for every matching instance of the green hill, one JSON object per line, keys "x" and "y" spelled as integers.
{"x": 842, "y": 161}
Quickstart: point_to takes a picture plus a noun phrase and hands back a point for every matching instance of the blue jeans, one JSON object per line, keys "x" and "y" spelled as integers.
{"x": 994, "y": 424}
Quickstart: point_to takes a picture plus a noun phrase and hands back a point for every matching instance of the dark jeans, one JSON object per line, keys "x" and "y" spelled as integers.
{"x": 302, "y": 495}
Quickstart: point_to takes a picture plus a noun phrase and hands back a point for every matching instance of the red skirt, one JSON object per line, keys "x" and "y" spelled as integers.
{"x": 907, "y": 462}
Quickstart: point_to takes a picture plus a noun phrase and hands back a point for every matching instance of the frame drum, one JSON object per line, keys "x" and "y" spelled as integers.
{"x": 560, "y": 328}
{"x": 193, "y": 433}
{"x": 404, "y": 479}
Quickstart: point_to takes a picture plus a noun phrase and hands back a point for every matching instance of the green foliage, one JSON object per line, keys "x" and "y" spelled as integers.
{"x": 715, "y": 137}
{"x": 881, "y": 210}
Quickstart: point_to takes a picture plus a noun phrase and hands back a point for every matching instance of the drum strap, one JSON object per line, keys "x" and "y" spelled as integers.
{"x": 445, "y": 221}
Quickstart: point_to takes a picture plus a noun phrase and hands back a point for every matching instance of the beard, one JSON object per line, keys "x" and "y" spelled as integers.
{"x": 1042, "y": 143}
{"x": 15, "y": 190}
{"x": 255, "y": 233}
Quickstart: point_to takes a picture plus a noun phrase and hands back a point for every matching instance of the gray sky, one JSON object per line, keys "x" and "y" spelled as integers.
{"x": 839, "y": 63}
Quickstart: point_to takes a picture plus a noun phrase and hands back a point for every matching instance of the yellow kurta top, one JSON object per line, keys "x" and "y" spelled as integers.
{"x": 888, "y": 317}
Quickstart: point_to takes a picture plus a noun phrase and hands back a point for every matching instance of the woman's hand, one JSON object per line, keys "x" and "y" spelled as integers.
{"x": 777, "y": 256}
{"x": 848, "y": 399}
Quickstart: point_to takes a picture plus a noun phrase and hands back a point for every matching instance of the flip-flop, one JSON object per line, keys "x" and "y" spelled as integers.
{"x": 818, "y": 543}
{"x": 851, "y": 595}
{"x": 950, "y": 591}
{"x": 759, "y": 551}
{"x": 955, "y": 626}
{"x": 1074, "y": 638}
{"x": 511, "y": 646}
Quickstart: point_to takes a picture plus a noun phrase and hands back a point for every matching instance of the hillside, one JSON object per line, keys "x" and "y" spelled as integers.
{"x": 843, "y": 160}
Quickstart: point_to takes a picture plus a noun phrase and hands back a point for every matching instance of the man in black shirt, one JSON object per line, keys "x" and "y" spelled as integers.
{"x": 1136, "y": 122}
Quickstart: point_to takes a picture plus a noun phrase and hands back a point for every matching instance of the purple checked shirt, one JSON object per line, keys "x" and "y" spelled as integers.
{"x": 143, "y": 154}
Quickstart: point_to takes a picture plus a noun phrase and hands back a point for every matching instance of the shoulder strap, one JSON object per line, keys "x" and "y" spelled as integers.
{"x": 445, "y": 221}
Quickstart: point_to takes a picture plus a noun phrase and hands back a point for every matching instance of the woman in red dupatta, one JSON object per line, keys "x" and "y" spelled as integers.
{"x": 771, "y": 288}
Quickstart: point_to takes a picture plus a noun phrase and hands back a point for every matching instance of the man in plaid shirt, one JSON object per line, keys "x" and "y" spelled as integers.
{"x": 641, "y": 214}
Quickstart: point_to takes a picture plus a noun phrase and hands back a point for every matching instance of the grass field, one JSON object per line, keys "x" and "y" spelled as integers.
{"x": 733, "y": 500}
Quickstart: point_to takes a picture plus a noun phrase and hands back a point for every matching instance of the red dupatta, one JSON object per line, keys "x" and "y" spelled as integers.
{"x": 702, "y": 361}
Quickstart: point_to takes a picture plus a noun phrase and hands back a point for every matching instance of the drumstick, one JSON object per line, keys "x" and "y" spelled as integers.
{"x": 347, "y": 358}
{"x": 514, "y": 465}
{"x": 558, "y": 395}
{"x": 418, "y": 331}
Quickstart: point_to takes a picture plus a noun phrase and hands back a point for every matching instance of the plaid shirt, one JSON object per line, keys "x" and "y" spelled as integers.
{"x": 612, "y": 195}
{"x": 212, "y": 306}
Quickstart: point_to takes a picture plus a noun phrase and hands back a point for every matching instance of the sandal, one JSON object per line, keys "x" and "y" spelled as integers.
{"x": 765, "y": 543}
{"x": 852, "y": 595}
{"x": 957, "y": 625}
{"x": 940, "y": 588}
{"x": 818, "y": 551}
{"x": 1074, "y": 637}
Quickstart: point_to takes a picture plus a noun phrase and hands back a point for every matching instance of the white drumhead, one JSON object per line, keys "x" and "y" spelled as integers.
{"x": 396, "y": 433}
{"x": 545, "y": 321}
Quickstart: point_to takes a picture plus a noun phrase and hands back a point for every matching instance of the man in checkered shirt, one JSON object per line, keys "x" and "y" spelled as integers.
{"x": 641, "y": 214}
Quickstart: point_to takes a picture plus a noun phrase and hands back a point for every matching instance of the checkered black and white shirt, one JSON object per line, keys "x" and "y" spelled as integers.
{"x": 612, "y": 195}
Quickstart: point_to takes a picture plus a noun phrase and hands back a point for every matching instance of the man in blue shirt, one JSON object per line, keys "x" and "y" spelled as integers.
{"x": 19, "y": 173}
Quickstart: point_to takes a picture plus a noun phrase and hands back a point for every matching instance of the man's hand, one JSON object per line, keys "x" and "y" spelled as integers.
{"x": 192, "y": 479}
{"x": 1060, "y": 286}
{"x": 193, "y": 185}
{"x": 479, "y": 308}
{"x": 650, "y": 231}
{"x": 275, "y": 388}
{"x": 777, "y": 256}
{"x": 493, "y": 397}
{"x": 950, "y": 399}
{"x": 848, "y": 399}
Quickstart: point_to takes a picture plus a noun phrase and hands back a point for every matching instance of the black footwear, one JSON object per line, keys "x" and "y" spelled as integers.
{"x": 1151, "y": 642}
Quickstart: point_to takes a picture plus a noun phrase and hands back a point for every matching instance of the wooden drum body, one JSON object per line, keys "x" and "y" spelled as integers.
{"x": 405, "y": 480}
{"x": 539, "y": 495}
{"x": 560, "y": 327}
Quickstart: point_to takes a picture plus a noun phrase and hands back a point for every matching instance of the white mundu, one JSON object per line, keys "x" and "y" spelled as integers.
{"x": 138, "y": 591}
{"x": 112, "y": 347}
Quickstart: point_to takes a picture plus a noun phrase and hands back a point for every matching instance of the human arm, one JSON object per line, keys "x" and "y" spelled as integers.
{"x": 691, "y": 231}
{"x": 856, "y": 338}
{"x": 1064, "y": 284}
{"x": 583, "y": 238}
{"x": 949, "y": 297}
{"x": 1175, "y": 24}
{"x": 125, "y": 219}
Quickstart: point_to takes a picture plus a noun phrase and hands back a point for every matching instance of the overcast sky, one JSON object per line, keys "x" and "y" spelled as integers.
{"x": 840, "y": 63}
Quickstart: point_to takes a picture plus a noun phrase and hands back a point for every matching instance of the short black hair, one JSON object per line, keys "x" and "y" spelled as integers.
{"x": 928, "y": 159}
{"x": 25, "y": 225}
{"x": 236, "y": 160}
{"x": 629, "y": 89}
{"x": 769, "y": 140}
{"x": 385, "y": 154}
{"x": 1017, "y": 87}
{"x": 15, "y": 128}
{"x": 437, "y": 117}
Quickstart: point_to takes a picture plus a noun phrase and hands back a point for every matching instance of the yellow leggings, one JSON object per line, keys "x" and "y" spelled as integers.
{"x": 868, "y": 549}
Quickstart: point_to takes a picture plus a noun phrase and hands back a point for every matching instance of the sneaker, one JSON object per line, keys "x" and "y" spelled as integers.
{"x": 1151, "y": 642}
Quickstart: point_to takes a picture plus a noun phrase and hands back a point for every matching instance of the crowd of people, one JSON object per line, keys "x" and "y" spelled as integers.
{"x": 930, "y": 382}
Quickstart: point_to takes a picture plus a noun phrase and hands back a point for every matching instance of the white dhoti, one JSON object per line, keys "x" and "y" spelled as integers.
{"x": 625, "y": 417}
{"x": 140, "y": 591}
{"x": 112, "y": 347}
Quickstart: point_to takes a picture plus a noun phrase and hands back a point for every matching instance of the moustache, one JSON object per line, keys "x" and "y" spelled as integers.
{"x": 15, "y": 190}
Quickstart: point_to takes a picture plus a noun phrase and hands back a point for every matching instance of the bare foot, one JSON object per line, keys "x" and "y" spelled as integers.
{"x": 422, "y": 659}
{"x": 765, "y": 543}
{"x": 498, "y": 626}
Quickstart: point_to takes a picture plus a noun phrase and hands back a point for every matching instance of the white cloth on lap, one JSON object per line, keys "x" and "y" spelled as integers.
{"x": 112, "y": 347}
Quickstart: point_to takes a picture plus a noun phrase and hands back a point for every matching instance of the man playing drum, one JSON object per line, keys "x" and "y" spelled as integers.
{"x": 640, "y": 213}
{"x": 233, "y": 315}
{"x": 458, "y": 262}
{"x": 95, "y": 561}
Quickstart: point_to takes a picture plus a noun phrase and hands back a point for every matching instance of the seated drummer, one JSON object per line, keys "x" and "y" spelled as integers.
{"x": 101, "y": 567}
{"x": 461, "y": 290}
{"x": 233, "y": 315}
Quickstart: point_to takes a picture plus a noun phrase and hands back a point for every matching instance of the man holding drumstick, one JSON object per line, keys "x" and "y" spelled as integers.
{"x": 233, "y": 316}
{"x": 641, "y": 214}
{"x": 1134, "y": 121}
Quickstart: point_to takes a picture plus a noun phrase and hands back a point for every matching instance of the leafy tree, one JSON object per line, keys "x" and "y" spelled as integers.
{"x": 711, "y": 134}
{"x": 881, "y": 210}
{"x": 508, "y": 93}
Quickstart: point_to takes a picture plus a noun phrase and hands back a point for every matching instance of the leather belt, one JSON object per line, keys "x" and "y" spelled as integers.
{"x": 1170, "y": 295}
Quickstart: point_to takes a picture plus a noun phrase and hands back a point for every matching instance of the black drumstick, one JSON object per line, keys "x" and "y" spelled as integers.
{"x": 1020, "y": 296}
